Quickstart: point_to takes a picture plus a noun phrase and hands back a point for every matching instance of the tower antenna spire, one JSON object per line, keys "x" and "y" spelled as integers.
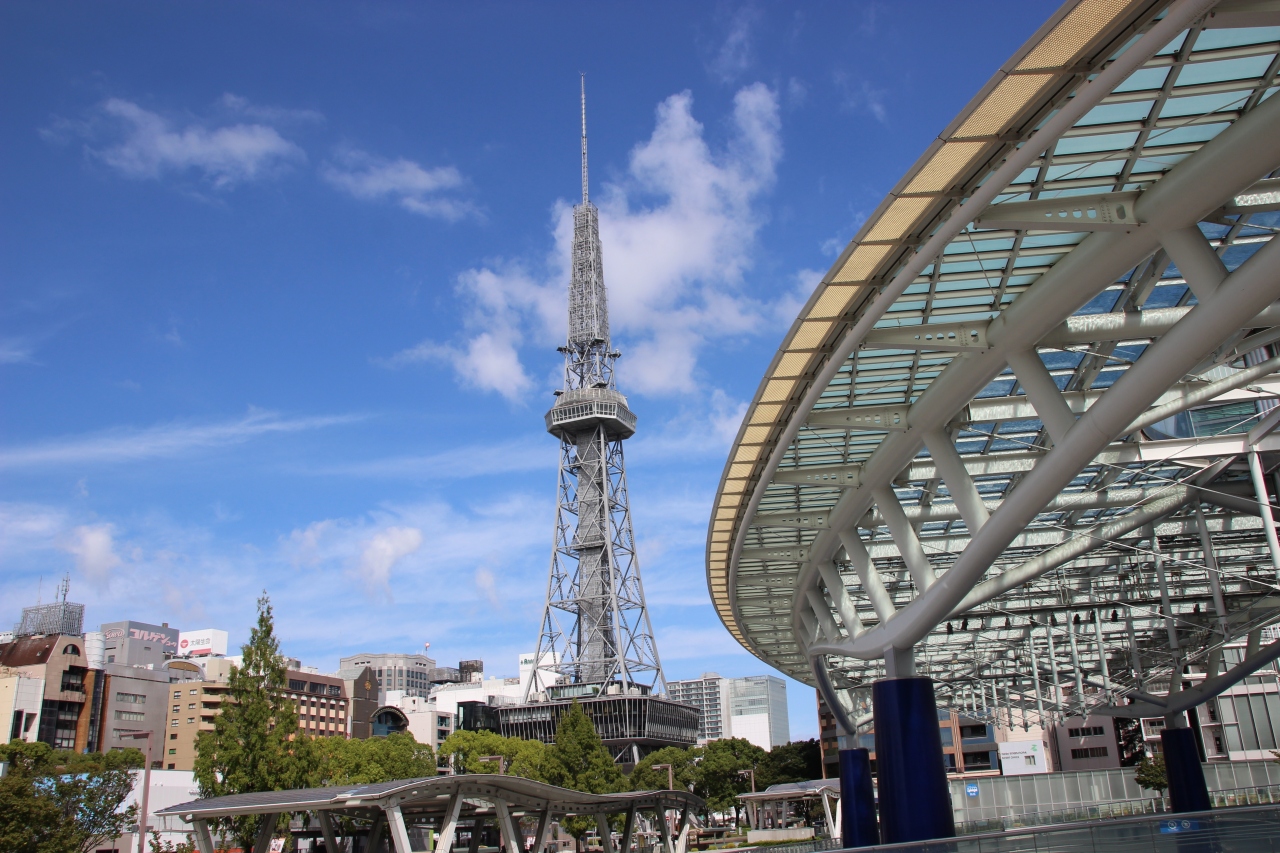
{"x": 584, "y": 138}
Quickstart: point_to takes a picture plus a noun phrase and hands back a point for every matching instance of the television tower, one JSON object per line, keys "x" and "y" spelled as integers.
{"x": 596, "y": 636}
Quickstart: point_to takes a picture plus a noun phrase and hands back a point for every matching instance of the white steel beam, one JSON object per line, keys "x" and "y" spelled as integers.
{"x": 1043, "y": 392}
{"x": 904, "y": 537}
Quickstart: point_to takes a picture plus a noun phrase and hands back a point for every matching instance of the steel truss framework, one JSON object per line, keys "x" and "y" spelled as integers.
{"x": 1019, "y": 438}
{"x": 595, "y": 627}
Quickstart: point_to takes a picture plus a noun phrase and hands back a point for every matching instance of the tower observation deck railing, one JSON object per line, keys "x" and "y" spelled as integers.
{"x": 585, "y": 407}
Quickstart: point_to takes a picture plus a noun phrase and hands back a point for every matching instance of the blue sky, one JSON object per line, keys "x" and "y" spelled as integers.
{"x": 281, "y": 286}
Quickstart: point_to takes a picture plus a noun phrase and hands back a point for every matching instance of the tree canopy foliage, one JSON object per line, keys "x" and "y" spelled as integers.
{"x": 526, "y": 758}
{"x": 1151, "y": 774}
{"x": 64, "y": 802}
{"x": 254, "y": 744}
{"x": 340, "y": 761}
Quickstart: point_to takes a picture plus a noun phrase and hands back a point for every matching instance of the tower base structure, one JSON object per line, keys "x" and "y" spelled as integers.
{"x": 631, "y": 725}
{"x": 915, "y": 804}
{"x": 857, "y": 800}
{"x": 1188, "y": 791}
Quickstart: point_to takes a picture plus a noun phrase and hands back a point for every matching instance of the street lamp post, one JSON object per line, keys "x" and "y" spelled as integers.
{"x": 146, "y": 790}
{"x": 750, "y": 771}
{"x": 502, "y": 762}
{"x": 671, "y": 776}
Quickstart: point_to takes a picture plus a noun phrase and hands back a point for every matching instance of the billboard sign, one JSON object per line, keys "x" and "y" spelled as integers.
{"x": 206, "y": 643}
{"x": 1020, "y": 758}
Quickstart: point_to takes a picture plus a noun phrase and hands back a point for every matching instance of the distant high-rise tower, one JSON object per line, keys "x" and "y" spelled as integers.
{"x": 596, "y": 645}
{"x": 595, "y": 628}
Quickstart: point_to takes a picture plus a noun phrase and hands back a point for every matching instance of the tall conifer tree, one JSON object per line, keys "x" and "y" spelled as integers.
{"x": 254, "y": 745}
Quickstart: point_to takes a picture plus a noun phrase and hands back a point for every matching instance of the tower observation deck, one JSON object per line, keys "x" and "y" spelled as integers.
{"x": 596, "y": 642}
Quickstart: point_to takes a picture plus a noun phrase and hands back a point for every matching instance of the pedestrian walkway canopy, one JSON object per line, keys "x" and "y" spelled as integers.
{"x": 389, "y": 810}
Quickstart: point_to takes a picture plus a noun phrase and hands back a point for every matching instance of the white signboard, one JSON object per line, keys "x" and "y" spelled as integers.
{"x": 1020, "y": 758}
{"x": 204, "y": 643}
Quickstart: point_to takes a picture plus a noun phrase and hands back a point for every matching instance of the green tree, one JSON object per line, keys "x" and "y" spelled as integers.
{"x": 725, "y": 772}
{"x": 339, "y": 761}
{"x": 798, "y": 761}
{"x": 684, "y": 770}
{"x": 254, "y": 745}
{"x": 1151, "y": 775}
{"x": 579, "y": 761}
{"x": 59, "y": 802}
{"x": 526, "y": 758}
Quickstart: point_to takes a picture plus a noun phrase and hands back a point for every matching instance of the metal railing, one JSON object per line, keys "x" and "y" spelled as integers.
{"x": 1255, "y": 829}
{"x": 1251, "y": 796}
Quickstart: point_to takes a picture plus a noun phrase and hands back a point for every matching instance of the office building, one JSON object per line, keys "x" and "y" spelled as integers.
{"x": 411, "y": 674}
{"x": 752, "y": 708}
{"x": 131, "y": 643}
{"x": 21, "y": 698}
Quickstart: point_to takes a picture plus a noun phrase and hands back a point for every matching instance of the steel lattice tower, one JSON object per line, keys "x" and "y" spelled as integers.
{"x": 596, "y": 631}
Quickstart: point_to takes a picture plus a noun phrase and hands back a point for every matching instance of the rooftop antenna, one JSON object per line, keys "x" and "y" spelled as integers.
{"x": 584, "y": 138}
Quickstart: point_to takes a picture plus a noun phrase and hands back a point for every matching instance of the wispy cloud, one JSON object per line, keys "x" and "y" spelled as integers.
{"x": 859, "y": 95}
{"x": 126, "y": 445}
{"x": 16, "y": 351}
{"x": 415, "y": 188}
{"x": 143, "y": 145}
{"x": 532, "y": 453}
{"x": 241, "y": 106}
{"x": 733, "y": 56}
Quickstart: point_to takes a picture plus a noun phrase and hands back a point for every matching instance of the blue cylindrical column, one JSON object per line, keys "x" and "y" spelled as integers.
{"x": 857, "y": 800}
{"x": 1187, "y": 789}
{"x": 915, "y": 804}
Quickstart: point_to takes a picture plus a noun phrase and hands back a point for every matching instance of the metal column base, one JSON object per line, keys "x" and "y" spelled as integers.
{"x": 1187, "y": 789}
{"x": 915, "y": 804}
{"x": 857, "y": 800}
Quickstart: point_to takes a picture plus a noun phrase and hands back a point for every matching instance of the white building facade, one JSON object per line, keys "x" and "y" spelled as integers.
{"x": 753, "y": 708}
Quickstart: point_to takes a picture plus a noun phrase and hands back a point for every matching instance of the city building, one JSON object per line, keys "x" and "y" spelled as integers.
{"x": 21, "y": 699}
{"x": 321, "y": 702}
{"x": 709, "y": 694}
{"x": 412, "y": 674}
{"x": 59, "y": 662}
{"x": 131, "y": 643}
{"x": 758, "y": 710}
{"x": 206, "y": 642}
{"x": 197, "y": 704}
{"x": 415, "y": 715}
{"x": 753, "y": 708}
{"x": 1086, "y": 743}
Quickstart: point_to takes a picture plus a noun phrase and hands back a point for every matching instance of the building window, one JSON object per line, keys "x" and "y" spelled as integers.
{"x": 173, "y": 723}
{"x": 130, "y": 716}
{"x": 1086, "y": 731}
{"x": 173, "y": 752}
{"x": 173, "y": 736}
{"x": 177, "y": 708}
{"x": 193, "y": 692}
{"x": 71, "y": 649}
{"x": 294, "y": 684}
{"x": 131, "y": 698}
{"x": 1089, "y": 752}
{"x": 177, "y": 694}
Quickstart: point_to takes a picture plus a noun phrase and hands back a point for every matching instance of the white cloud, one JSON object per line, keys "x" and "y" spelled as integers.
{"x": 16, "y": 351}
{"x": 125, "y": 445}
{"x": 93, "y": 546}
{"x": 382, "y": 552}
{"x": 148, "y": 146}
{"x": 859, "y": 95}
{"x": 239, "y": 105}
{"x": 413, "y": 187}
{"x": 679, "y": 234}
{"x": 733, "y": 57}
